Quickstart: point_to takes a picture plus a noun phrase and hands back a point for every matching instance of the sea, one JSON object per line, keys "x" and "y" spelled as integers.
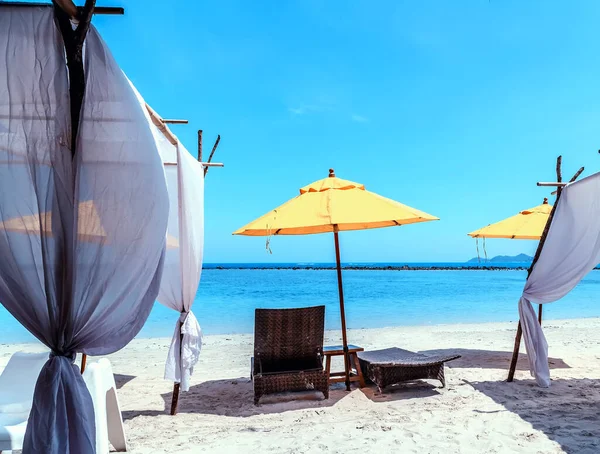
{"x": 377, "y": 295}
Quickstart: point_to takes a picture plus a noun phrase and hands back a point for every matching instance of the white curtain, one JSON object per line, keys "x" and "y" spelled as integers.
{"x": 184, "y": 257}
{"x": 572, "y": 250}
{"x": 183, "y": 262}
{"x": 82, "y": 237}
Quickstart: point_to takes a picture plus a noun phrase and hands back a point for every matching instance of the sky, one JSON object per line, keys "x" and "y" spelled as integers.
{"x": 454, "y": 108}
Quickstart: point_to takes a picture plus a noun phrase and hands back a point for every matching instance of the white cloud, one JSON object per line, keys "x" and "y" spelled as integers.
{"x": 304, "y": 109}
{"x": 297, "y": 110}
{"x": 360, "y": 118}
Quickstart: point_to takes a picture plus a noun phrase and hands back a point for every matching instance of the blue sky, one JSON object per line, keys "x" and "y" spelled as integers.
{"x": 455, "y": 108}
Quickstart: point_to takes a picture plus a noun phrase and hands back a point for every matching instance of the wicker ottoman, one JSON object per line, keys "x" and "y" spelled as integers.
{"x": 394, "y": 365}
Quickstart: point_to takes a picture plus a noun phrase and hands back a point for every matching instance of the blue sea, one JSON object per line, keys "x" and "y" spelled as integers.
{"x": 229, "y": 293}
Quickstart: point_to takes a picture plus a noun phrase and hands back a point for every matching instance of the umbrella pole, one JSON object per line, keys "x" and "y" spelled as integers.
{"x": 342, "y": 312}
{"x": 83, "y": 362}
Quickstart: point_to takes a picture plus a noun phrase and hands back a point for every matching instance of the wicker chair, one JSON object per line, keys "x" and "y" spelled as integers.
{"x": 288, "y": 351}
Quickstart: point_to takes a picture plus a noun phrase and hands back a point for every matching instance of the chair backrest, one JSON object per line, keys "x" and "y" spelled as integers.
{"x": 288, "y": 333}
{"x": 18, "y": 379}
{"x": 100, "y": 381}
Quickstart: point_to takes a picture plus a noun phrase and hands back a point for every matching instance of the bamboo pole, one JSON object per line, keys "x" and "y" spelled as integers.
{"x": 160, "y": 124}
{"x": 212, "y": 164}
{"x": 515, "y": 357}
{"x": 73, "y": 41}
{"x": 199, "y": 145}
{"x": 205, "y": 164}
{"x": 212, "y": 153}
{"x": 581, "y": 169}
{"x": 67, "y": 6}
{"x": 176, "y": 386}
{"x": 557, "y": 184}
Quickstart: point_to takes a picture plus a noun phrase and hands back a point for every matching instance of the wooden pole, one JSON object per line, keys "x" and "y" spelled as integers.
{"x": 175, "y": 398}
{"x": 212, "y": 164}
{"x": 83, "y": 362}
{"x": 515, "y": 357}
{"x": 338, "y": 262}
{"x": 573, "y": 178}
{"x": 73, "y": 41}
{"x": 558, "y": 191}
{"x": 160, "y": 124}
{"x": 67, "y": 6}
{"x": 342, "y": 311}
{"x": 548, "y": 183}
{"x": 212, "y": 153}
{"x": 199, "y": 145}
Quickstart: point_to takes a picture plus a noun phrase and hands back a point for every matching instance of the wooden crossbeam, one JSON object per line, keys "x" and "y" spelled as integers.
{"x": 68, "y": 7}
{"x": 558, "y": 184}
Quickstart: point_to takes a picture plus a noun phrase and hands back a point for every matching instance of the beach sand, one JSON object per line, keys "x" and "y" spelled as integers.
{"x": 478, "y": 412}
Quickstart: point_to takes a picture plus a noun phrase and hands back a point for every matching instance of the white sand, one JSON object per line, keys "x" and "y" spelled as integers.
{"x": 478, "y": 412}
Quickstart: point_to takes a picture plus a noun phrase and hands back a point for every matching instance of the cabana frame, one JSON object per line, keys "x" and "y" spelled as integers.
{"x": 559, "y": 184}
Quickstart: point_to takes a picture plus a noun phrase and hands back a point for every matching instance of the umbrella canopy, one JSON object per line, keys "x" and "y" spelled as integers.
{"x": 334, "y": 205}
{"x": 527, "y": 225}
{"x": 330, "y": 205}
{"x": 89, "y": 228}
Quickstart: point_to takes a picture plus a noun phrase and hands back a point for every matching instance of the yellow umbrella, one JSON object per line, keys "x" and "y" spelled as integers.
{"x": 334, "y": 205}
{"x": 527, "y": 225}
{"x": 89, "y": 227}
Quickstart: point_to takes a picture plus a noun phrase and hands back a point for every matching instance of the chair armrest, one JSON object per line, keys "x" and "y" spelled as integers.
{"x": 320, "y": 355}
{"x": 257, "y": 365}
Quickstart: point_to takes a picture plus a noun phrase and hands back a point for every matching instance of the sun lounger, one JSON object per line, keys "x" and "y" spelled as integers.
{"x": 18, "y": 379}
{"x": 100, "y": 381}
{"x": 17, "y": 383}
{"x": 12, "y": 431}
{"x": 394, "y": 365}
{"x": 288, "y": 351}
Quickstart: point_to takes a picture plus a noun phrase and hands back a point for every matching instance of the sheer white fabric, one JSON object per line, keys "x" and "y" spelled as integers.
{"x": 572, "y": 250}
{"x": 183, "y": 262}
{"x": 82, "y": 238}
{"x": 184, "y": 265}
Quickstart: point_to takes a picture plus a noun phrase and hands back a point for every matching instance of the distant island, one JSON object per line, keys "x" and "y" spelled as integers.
{"x": 521, "y": 258}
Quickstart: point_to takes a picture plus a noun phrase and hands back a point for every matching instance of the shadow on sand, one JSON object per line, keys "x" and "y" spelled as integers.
{"x": 235, "y": 398}
{"x": 490, "y": 359}
{"x": 567, "y": 412}
{"x": 122, "y": 380}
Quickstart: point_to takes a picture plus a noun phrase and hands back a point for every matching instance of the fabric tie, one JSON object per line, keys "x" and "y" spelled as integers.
{"x": 70, "y": 355}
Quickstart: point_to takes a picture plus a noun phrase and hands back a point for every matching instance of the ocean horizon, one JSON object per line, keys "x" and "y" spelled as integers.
{"x": 375, "y": 298}
{"x": 300, "y": 265}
